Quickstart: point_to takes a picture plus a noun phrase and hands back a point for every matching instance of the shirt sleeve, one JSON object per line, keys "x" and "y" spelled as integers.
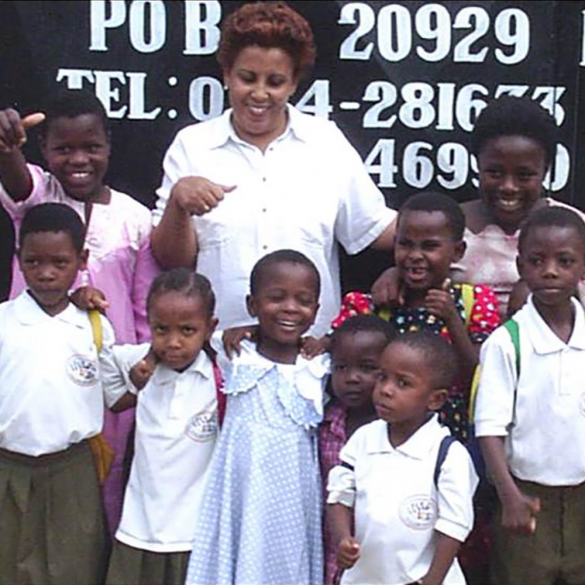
{"x": 494, "y": 406}
{"x": 363, "y": 214}
{"x": 457, "y": 483}
{"x": 484, "y": 317}
{"x": 354, "y": 303}
{"x": 341, "y": 481}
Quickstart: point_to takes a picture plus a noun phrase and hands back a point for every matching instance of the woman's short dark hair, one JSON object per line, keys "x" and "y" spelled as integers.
{"x": 267, "y": 25}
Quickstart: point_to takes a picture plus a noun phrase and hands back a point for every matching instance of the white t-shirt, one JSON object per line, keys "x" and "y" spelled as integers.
{"x": 397, "y": 506}
{"x": 546, "y": 443}
{"x": 176, "y": 430}
{"x": 50, "y": 391}
{"x": 309, "y": 191}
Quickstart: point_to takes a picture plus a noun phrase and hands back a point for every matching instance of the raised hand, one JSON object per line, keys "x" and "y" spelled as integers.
{"x": 13, "y": 129}
{"x": 197, "y": 195}
{"x": 142, "y": 371}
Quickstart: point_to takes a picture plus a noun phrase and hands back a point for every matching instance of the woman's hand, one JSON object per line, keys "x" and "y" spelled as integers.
{"x": 197, "y": 195}
{"x": 88, "y": 298}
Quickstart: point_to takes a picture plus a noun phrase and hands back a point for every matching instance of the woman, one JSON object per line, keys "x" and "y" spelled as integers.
{"x": 264, "y": 176}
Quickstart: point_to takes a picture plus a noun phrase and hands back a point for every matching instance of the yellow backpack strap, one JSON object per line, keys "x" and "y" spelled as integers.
{"x": 473, "y": 393}
{"x": 468, "y": 296}
{"x": 103, "y": 454}
{"x": 96, "y": 328}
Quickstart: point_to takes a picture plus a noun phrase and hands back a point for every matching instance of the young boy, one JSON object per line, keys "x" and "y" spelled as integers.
{"x": 355, "y": 349}
{"x": 409, "y": 490}
{"x": 530, "y": 411}
{"x": 51, "y": 403}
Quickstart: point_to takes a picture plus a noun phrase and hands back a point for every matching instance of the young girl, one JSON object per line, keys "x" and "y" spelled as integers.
{"x": 408, "y": 487}
{"x": 260, "y": 520}
{"x": 355, "y": 348}
{"x": 429, "y": 239}
{"x": 174, "y": 382}
{"x": 75, "y": 143}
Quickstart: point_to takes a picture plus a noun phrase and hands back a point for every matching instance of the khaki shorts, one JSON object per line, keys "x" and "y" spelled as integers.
{"x": 555, "y": 551}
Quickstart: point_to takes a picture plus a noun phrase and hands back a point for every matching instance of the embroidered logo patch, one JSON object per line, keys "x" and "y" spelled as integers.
{"x": 418, "y": 512}
{"x": 202, "y": 427}
{"x": 82, "y": 370}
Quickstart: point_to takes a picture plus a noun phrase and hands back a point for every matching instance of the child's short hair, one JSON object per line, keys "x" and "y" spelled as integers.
{"x": 438, "y": 356}
{"x": 515, "y": 116}
{"x": 284, "y": 256}
{"x": 53, "y": 217}
{"x": 431, "y": 201}
{"x": 363, "y": 323}
{"x": 551, "y": 217}
{"x": 184, "y": 281}
{"x": 71, "y": 104}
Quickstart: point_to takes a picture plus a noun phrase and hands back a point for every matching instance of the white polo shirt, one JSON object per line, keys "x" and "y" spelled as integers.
{"x": 176, "y": 430}
{"x": 545, "y": 434}
{"x": 50, "y": 391}
{"x": 309, "y": 191}
{"x": 397, "y": 507}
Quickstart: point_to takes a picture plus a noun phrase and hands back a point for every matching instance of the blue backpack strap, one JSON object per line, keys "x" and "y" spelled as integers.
{"x": 441, "y": 455}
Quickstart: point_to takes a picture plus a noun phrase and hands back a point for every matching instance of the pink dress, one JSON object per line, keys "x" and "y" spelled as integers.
{"x": 121, "y": 265}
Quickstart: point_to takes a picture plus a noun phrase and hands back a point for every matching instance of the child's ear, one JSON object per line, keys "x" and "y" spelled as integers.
{"x": 251, "y": 305}
{"x": 459, "y": 251}
{"x": 437, "y": 399}
{"x": 213, "y": 321}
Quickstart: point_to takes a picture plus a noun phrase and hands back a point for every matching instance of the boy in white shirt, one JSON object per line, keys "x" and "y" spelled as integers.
{"x": 52, "y": 526}
{"x": 530, "y": 411}
{"x": 407, "y": 483}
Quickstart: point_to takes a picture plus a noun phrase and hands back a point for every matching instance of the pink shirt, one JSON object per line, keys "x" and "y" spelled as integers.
{"x": 120, "y": 263}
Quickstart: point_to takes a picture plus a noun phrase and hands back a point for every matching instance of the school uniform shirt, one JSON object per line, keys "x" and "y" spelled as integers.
{"x": 120, "y": 263}
{"x": 543, "y": 421}
{"x": 309, "y": 191}
{"x": 50, "y": 392}
{"x": 397, "y": 507}
{"x": 176, "y": 430}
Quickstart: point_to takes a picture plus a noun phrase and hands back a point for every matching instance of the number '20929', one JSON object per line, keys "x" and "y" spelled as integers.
{"x": 433, "y": 31}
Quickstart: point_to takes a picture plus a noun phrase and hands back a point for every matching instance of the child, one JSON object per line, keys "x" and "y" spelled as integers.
{"x": 260, "y": 520}
{"x": 75, "y": 143}
{"x": 409, "y": 491}
{"x": 176, "y": 429}
{"x": 429, "y": 239}
{"x": 530, "y": 408}
{"x": 355, "y": 348}
{"x": 51, "y": 402}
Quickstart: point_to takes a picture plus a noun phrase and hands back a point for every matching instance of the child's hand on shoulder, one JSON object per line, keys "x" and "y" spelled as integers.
{"x": 141, "y": 372}
{"x": 348, "y": 552}
{"x": 440, "y": 302}
{"x": 313, "y": 346}
{"x": 88, "y": 298}
{"x": 13, "y": 129}
{"x": 232, "y": 338}
{"x": 519, "y": 513}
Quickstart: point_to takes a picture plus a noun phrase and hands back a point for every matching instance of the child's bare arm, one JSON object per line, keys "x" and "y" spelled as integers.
{"x": 518, "y": 510}
{"x": 446, "y": 549}
{"x": 14, "y": 174}
{"x": 339, "y": 518}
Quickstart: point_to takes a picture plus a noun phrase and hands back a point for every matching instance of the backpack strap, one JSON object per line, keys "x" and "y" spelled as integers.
{"x": 96, "y": 328}
{"x": 512, "y": 326}
{"x": 446, "y": 442}
{"x": 468, "y": 296}
{"x": 221, "y": 397}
